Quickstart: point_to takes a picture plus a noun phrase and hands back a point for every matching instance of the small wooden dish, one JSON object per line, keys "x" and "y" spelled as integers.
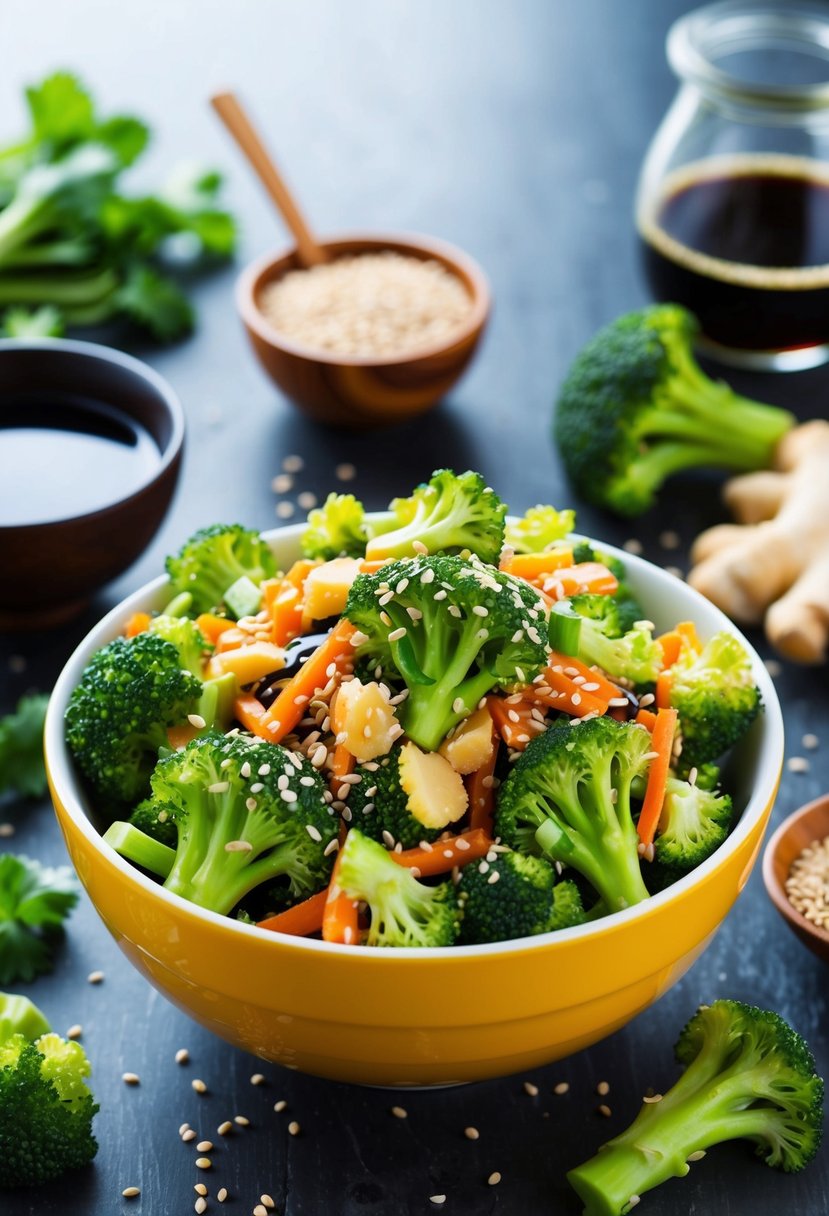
{"x": 795, "y": 834}
{"x": 357, "y": 391}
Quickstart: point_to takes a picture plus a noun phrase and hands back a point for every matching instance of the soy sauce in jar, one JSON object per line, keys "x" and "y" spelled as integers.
{"x": 743, "y": 242}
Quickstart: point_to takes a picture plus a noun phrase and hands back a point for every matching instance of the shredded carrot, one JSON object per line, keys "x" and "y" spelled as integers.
{"x": 285, "y": 712}
{"x": 585, "y": 578}
{"x": 480, "y": 790}
{"x": 606, "y": 690}
{"x": 342, "y": 763}
{"x": 179, "y": 736}
{"x": 670, "y": 644}
{"x": 211, "y": 627}
{"x": 664, "y": 681}
{"x": 284, "y": 603}
{"x": 565, "y": 695}
{"x": 536, "y": 567}
{"x": 646, "y": 718}
{"x": 504, "y": 712}
{"x": 662, "y": 741}
{"x": 444, "y": 855}
{"x": 301, "y": 919}
{"x": 138, "y": 623}
{"x": 250, "y": 711}
{"x": 339, "y": 918}
{"x": 687, "y": 630}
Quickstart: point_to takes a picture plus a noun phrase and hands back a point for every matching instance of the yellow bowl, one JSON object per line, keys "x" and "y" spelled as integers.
{"x": 423, "y": 1016}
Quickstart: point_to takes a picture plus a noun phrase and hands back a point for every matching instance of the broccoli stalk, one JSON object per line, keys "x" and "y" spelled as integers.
{"x": 716, "y": 698}
{"x": 632, "y": 655}
{"x": 457, "y": 629}
{"x": 214, "y": 558}
{"x": 450, "y": 513}
{"x": 236, "y": 826}
{"x": 404, "y": 911}
{"x": 568, "y": 796}
{"x": 636, "y": 407}
{"x": 748, "y": 1076}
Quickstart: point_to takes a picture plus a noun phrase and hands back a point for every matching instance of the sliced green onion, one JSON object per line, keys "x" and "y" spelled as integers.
{"x": 564, "y": 628}
{"x": 136, "y": 846}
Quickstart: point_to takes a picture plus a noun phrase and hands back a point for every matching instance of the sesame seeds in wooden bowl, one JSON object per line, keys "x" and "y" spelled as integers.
{"x": 797, "y": 881}
{"x": 366, "y": 371}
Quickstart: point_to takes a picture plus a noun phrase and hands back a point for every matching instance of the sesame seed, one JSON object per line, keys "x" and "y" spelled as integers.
{"x": 632, "y": 1202}
{"x": 810, "y": 742}
{"x": 283, "y": 483}
{"x": 200, "y": 1188}
{"x": 797, "y": 764}
{"x": 196, "y": 720}
{"x": 633, "y": 546}
{"x": 188, "y": 1135}
{"x": 130, "y": 1192}
{"x": 260, "y": 1210}
{"x": 471, "y": 1133}
{"x": 458, "y": 706}
{"x": 288, "y": 795}
{"x": 199, "y": 1086}
{"x": 284, "y": 510}
{"x": 200, "y": 1205}
{"x": 218, "y": 787}
{"x": 131, "y": 1078}
{"x": 182, "y": 1056}
{"x": 531, "y": 1089}
{"x": 314, "y": 833}
{"x": 397, "y": 634}
{"x": 74, "y": 1032}
{"x": 331, "y": 847}
{"x": 428, "y": 575}
{"x": 604, "y": 1110}
{"x": 204, "y": 1146}
{"x": 437, "y": 1199}
{"x": 239, "y": 846}
{"x": 651, "y": 1098}
{"x": 697, "y": 1156}
{"x": 293, "y": 1128}
{"x": 6, "y": 830}
{"x": 493, "y": 878}
{"x": 494, "y": 1178}
{"x": 307, "y": 500}
{"x": 345, "y": 472}
{"x": 203, "y": 1163}
{"x": 399, "y": 1112}
{"x": 222, "y": 1194}
{"x": 280, "y": 1106}
{"x": 669, "y": 540}
{"x": 480, "y": 610}
{"x": 420, "y": 548}
{"x": 241, "y": 1121}
{"x": 95, "y": 977}
{"x": 251, "y": 804}
{"x": 266, "y": 1201}
{"x": 185, "y": 1127}
{"x": 562, "y": 1087}
{"x": 224, "y": 1129}
{"x": 293, "y": 464}
{"x": 257, "y": 1079}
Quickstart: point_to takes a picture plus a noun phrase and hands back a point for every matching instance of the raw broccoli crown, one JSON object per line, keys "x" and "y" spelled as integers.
{"x": 568, "y": 796}
{"x": 632, "y": 655}
{"x": 518, "y": 904}
{"x": 694, "y": 822}
{"x": 468, "y": 627}
{"x": 213, "y": 558}
{"x": 568, "y": 909}
{"x": 403, "y": 910}
{"x": 145, "y": 817}
{"x": 46, "y": 1110}
{"x": 716, "y": 698}
{"x": 448, "y": 514}
{"x": 380, "y": 789}
{"x": 187, "y": 638}
{"x": 538, "y": 529}
{"x": 763, "y": 1078}
{"x": 116, "y": 720}
{"x": 336, "y": 529}
{"x": 246, "y": 812}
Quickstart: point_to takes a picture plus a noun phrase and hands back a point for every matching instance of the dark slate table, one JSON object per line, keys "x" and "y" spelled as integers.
{"x": 517, "y": 131}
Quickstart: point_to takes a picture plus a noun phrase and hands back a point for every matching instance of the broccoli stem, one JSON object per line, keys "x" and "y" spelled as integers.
{"x": 136, "y": 846}
{"x": 429, "y": 711}
{"x": 610, "y": 863}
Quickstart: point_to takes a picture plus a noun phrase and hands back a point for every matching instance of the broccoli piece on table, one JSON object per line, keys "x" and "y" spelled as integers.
{"x": 336, "y": 529}
{"x": 19, "y": 1016}
{"x": 457, "y": 629}
{"x": 748, "y": 1076}
{"x": 568, "y": 796}
{"x": 694, "y": 822}
{"x": 214, "y": 558}
{"x": 22, "y": 770}
{"x": 34, "y": 902}
{"x": 403, "y": 910}
{"x": 236, "y": 826}
{"x": 117, "y": 717}
{"x": 391, "y": 816}
{"x": 522, "y": 902}
{"x": 538, "y": 529}
{"x": 632, "y": 655}
{"x": 716, "y": 697}
{"x": 635, "y": 407}
{"x": 450, "y": 513}
{"x": 46, "y": 1110}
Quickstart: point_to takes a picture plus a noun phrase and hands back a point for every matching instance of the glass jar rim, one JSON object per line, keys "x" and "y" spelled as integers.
{"x": 740, "y": 25}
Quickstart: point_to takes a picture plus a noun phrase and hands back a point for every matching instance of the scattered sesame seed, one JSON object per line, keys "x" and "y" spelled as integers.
{"x": 472, "y": 1133}
{"x": 258, "y": 1077}
{"x": 293, "y": 464}
{"x": 260, "y": 1210}
{"x": 280, "y": 1106}
{"x": 6, "y": 830}
{"x": 604, "y": 1109}
{"x": 196, "y": 720}
{"x": 266, "y": 1201}
{"x": 283, "y": 483}
{"x": 204, "y": 1146}
{"x": 222, "y": 1194}
{"x": 185, "y": 1127}
{"x": 17, "y": 664}
{"x": 494, "y": 876}
{"x": 773, "y": 667}
{"x": 182, "y": 1056}
{"x": 675, "y": 571}
{"x": 397, "y": 634}
{"x": 531, "y": 1089}
{"x": 314, "y": 833}
{"x": 285, "y": 509}
{"x": 200, "y": 1205}
{"x": 669, "y": 540}
{"x": 224, "y": 1129}
{"x": 345, "y": 472}
{"x": 199, "y": 1086}
{"x": 399, "y": 1112}
{"x": 293, "y": 1128}
{"x": 130, "y": 1192}
{"x": 200, "y": 1188}
{"x": 241, "y": 1121}
{"x": 494, "y": 1178}
{"x": 131, "y": 1078}
{"x": 810, "y": 742}
{"x": 307, "y": 500}
{"x": 632, "y": 1202}
{"x": 649, "y": 1099}
{"x": 331, "y": 847}
{"x": 563, "y": 1087}
{"x": 420, "y": 548}
{"x": 602, "y": 1089}
{"x": 633, "y": 546}
{"x": 437, "y": 1199}
{"x": 188, "y": 1135}
{"x": 74, "y": 1032}
{"x": 203, "y": 1163}
{"x": 797, "y": 764}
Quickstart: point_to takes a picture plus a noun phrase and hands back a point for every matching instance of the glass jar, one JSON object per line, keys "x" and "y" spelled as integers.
{"x": 732, "y": 209}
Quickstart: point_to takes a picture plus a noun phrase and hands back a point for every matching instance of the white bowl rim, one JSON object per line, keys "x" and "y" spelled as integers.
{"x": 769, "y": 767}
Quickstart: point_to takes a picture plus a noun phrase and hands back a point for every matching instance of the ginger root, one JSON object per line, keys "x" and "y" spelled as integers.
{"x": 774, "y": 563}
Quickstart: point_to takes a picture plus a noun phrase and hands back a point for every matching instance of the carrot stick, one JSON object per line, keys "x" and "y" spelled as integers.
{"x": 250, "y": 711}
{"x": 606, "y": 690}
{"x": 585, "y": 578}
{"x": 516, "y": 734}
{"x": 480, "y": 790}
{"x": 533, "y": 567}
{"x": 138, "y": 623}
{"x": 301, "y": 919}
{"x": 342, "y": 763}
{"x": 671, "y": 644}
{"x": 663, "y": 689}
{"x": 444, "y": 855}
{"x": 647, "y": 719}
{"x": 687, "y": 630}
{"x": 339, "y": 917}
{"x": 568, "y": 697}
{"x": 371, "y": 567}
{"x": 282, "y": 716}
{"x": 662, "y": 741}
{"x": 179, "y": 736}
{"x": 211, "y": 627}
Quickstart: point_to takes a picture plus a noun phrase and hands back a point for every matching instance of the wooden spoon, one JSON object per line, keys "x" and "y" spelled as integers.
{"x": 230, "y": 110}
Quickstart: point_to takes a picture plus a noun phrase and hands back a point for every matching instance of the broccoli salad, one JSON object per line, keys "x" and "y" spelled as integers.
{"x": 438, "y": 727}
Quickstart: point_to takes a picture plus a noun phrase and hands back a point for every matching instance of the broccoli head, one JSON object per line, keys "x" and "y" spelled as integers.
{"x": 452, "y": 628}
{"x": 246, "y": 812}
{"x": 117, "y": 717}
{"x": 748, "y": 1076}
{"x": 156, "y": 820}
{"x": 694, "y": 822}
{"x": 538, "y": 529}
{"x": 46, "y": 1110}
{"x": 187, "y": 638}
{"x": 568, "y": 796}
{"x": 450, "y": 513}
{"x": 336, "y": 529}
{"x": 635, "y": 407}
{"x": 403, "y": 910}
{"x": 216, "y": 557}
{"x": 715, "y": 696}
{"x": 631, "y": 654}
{"x": 522, "y": 902}
{"x": 382, "y": 807}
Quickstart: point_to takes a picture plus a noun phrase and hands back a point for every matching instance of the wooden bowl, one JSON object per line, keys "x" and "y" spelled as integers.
{"x": 52, "y": 565}
{"x": 358, "y": 391}
{"x": 796, "y": 833}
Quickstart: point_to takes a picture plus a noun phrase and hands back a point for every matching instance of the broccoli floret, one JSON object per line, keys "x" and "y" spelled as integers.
{"x": 635, "y": 407}
{"x": 694, "y": 822}
{"x": 627, "y": 603}
{"x": 390, "y": 810}
{"x": 748, "y": 1076}
{"x": 336, "y": 529}
{"x": 187, "y": 638}
{"x": 46, "y": 1110}
{"x": 236, "y": 827}
{"x": 630, "y": 655}
{"x": 519, "y": 904}
{"x": 457, "y": 629}
{"x": 19, "y": 1016}
{"x": 568, "y": 908}
{"x": 568, "y": 796}
{"x": 117, "y": 717}
{"x": 214, "y": 558}
{"x": 155, "y": 820}
{"x": 403, "y": 910}
{"x": 716, "y": 698}
{"x": 448, "y": 514}
{"x": 539, "y": 529}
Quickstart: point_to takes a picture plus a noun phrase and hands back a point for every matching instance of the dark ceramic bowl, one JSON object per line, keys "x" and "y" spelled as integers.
{"x": 794, "y": 835}
{"x": 54, "y": 556}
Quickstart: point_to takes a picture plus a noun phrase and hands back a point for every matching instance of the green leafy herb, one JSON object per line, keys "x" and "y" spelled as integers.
{"x": 21, "y": 748}
{"x": 34, "y": 902}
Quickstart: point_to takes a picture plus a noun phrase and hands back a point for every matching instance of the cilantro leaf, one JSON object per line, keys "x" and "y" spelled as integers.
{"x": 43, "y": 322}
{"x": 21, "y": 733}
{"x": 34, "y": 901}
{"x": 153, "y": 301}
